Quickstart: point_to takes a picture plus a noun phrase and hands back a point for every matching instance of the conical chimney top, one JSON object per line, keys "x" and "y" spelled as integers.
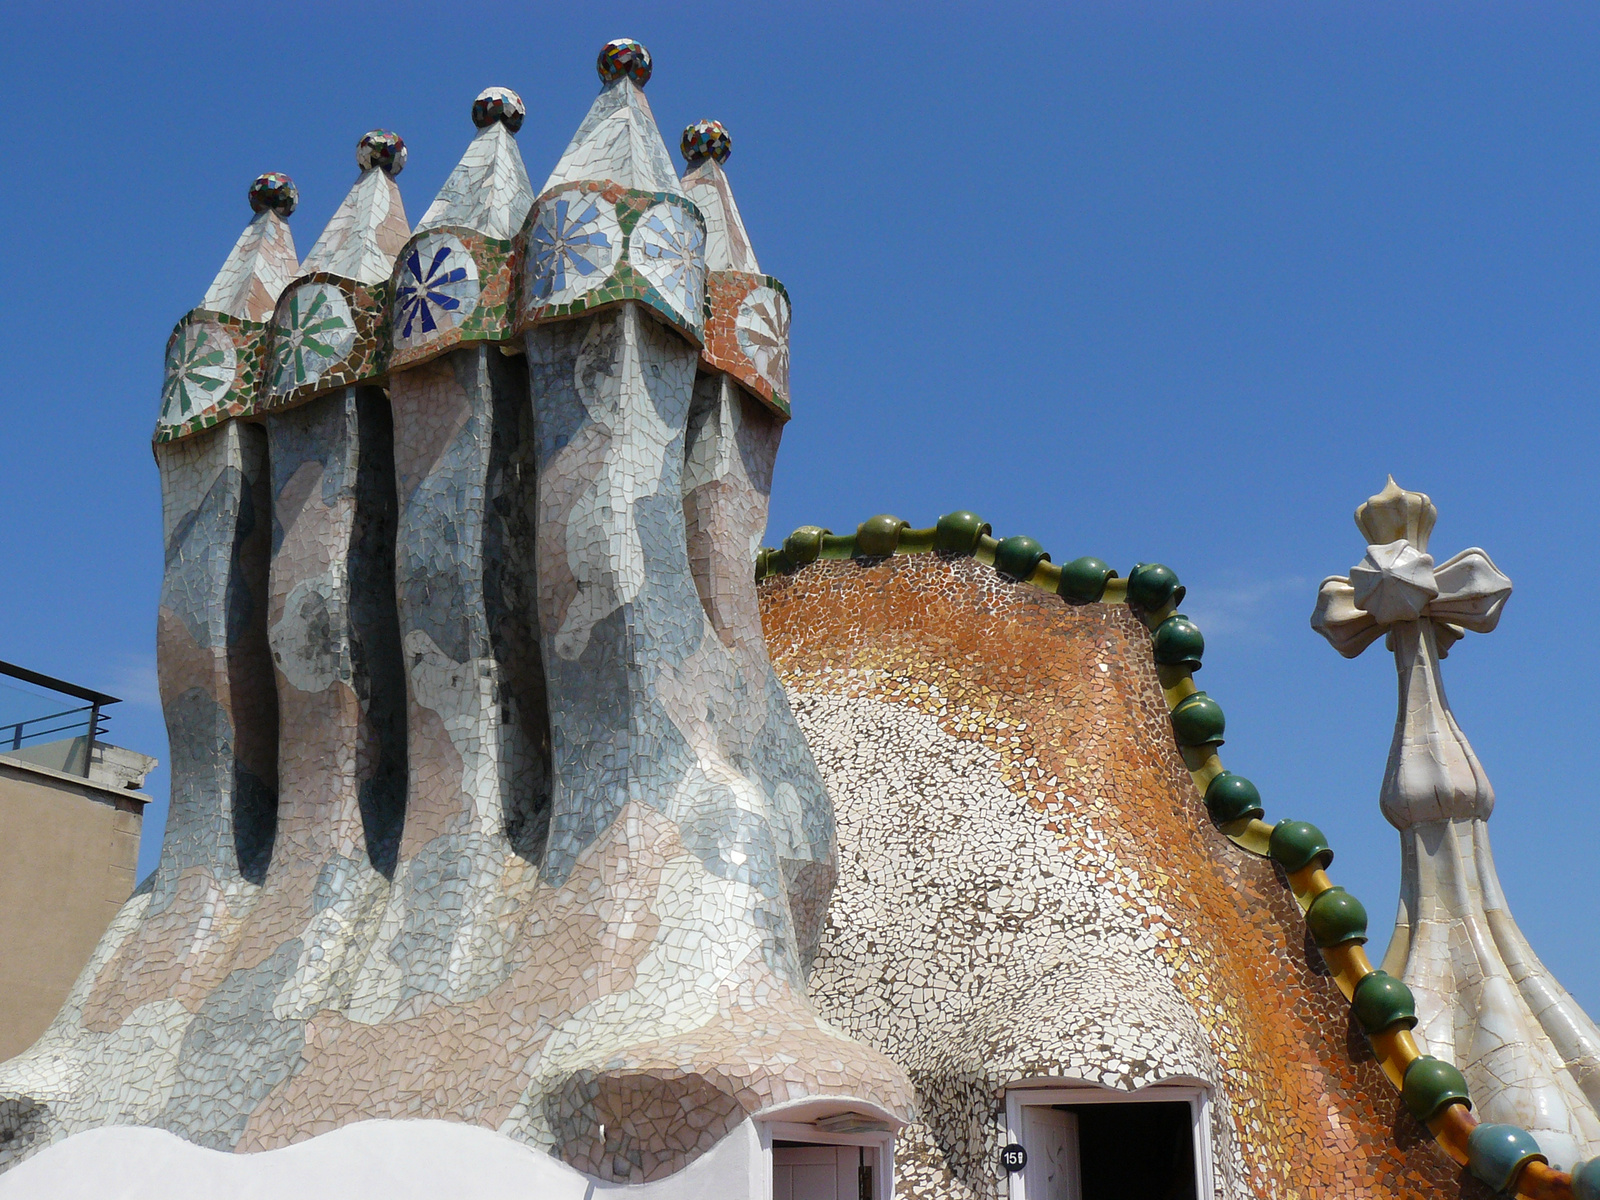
{"x": 489, "y": 189}
{"x": 706, "y": 146}
{"x": 262, "y": 261}
{"x": 369, "y": 228}
{"x": 618, "y": 141}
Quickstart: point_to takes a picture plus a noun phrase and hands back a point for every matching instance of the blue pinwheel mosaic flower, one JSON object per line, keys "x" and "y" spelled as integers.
{"x": 571, "y": 248}
{"x": 315, "y": 331}
{"x": 201, "y": 364}
{"x": 438, "y": 288}
{"x": 667, "y": 247}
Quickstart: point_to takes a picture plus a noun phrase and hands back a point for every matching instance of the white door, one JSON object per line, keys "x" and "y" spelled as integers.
{"x": 1050, "y": 1137}
{"x": 816, "y": 1172}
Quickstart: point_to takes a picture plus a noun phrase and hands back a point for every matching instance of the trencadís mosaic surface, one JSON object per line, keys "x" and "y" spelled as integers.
{"x": 470, "y": 782}
{"x": 1036, "y": 889}
{"x": 490, "y": 807}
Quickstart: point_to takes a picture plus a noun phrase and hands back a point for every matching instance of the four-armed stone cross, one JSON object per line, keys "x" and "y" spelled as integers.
{"x": 1530, "y": 1053}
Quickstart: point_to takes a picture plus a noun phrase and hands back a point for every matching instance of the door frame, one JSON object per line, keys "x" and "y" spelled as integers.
{"x": 880, "y": 1146}
{"x": 1047, "y": 1092}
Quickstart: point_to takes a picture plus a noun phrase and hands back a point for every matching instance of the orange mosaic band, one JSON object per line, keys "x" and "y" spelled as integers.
{"x": 747, "y": 319}
{"x": 1503, "y": 1156}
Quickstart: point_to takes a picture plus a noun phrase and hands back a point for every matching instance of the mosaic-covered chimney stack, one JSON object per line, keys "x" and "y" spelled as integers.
{"x": 477, "y": 729}
{"x": 217, "y": 688}
{"x": 331, "y": 609}
{"x": 666, "y": 757}
{"x": 741, "y": 403}
{"x": 480, "y": 770}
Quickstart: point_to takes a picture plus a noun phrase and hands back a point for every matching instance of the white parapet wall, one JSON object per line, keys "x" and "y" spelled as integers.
{"x": 369, "y": 1160}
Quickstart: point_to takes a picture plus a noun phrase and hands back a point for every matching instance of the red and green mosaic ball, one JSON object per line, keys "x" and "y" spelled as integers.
{"x": 276, "y": 191}
{"x": 382, "y": 148}
{"x": 498, "y": 104}
{"x": 706, "y": 139}
{"x": 624, "y": 56}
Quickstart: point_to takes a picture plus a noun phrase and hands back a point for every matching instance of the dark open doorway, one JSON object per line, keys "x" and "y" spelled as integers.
{"x": 1136, "y": 1151}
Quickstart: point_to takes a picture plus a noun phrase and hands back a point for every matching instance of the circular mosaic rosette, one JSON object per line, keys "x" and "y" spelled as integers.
{"x": 314, "y": 331}
{"x": 202, "y": 363}
{"x": 594, "y": 244}
{"x": 436, "y": 289}
{"x": 573, "y": 245}
{"x": 747, "y": 334}
{"x": 667, "y": 247}
{"x": 762, "y": 331}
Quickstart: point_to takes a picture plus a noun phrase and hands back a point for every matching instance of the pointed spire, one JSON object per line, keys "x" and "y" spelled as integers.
{"x": 618, "y": 141}
{"x": 489, "y": 190}
{"x": 1529, "y": 1052}
{"x": 706, "y": 146}
{"x": 263, "y": 260}
{"x": 747, "y": 329}
{"x": 369, "y": 229}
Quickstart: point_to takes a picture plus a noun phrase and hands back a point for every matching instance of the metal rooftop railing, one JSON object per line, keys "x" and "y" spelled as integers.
{"x": 38, "y": 722}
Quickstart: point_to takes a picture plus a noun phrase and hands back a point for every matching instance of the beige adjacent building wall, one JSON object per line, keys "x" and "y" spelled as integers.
{"x": 69, "y": 847}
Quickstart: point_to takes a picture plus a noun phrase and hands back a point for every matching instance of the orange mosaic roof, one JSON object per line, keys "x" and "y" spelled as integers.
{"x": 1063, "y": 705}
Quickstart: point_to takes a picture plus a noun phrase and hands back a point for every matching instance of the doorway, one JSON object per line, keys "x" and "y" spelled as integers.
{"x": 1085, "y": 1142}
{"x": 809, "y": 1172}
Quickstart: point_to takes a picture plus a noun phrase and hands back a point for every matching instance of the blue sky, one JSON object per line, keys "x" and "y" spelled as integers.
{"x": 1175, "y": 282}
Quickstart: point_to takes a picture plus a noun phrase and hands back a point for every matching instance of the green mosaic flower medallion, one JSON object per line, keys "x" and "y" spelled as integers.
{"x": 315, "y": 331}
{"x": 201, "y": 364}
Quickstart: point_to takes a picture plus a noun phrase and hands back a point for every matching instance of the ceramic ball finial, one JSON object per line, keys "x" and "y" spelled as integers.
{"x": 381, "y": 148}
{"x": 276, "y": 191}
{"x": 498, "y": 104}
{"x": 624, "y": 56}
{"x": 706, "y": 139}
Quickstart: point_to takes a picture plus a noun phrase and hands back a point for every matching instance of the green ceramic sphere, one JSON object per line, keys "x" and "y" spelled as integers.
{"x": 1381, "y": 1002}
{"x": 1083, "y": 581}
{"x": 763, "y": 562}
{"x": 1018, "y": 556}
{"x": 958, "y": 532}
{"x": 1432, "y": 1085}
{"x": 1151, "y": 586}
{"x": 1178, "y": 643}
{"x": 1336, "y": 918}
{"x": 1296, "y": 845}
{"x": 805, "y": 544}
{"x": 879, "y": 536}
{"x": 1231, "y": 797}
{"x": 1496, "y": 1154}
{"x": 1198, "y": 721}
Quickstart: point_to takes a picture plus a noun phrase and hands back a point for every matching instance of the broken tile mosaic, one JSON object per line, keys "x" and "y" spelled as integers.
{"x": 505, "y": 796}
